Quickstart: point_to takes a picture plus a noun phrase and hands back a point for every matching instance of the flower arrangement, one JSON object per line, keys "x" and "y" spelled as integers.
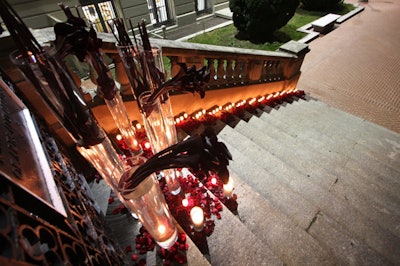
{"x": 186, "y": 80}
{"x": 43, "y": 66}
{"x": 73, "y": 37}
{"x": 203, "y": 152}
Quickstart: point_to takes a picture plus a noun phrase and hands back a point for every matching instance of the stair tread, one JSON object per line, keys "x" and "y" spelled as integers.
{"x": 316, "y": 118}
{"x": 346, "y": 247}
{"x": 223, "y": 241}
{"x": 378, "y": 237}
{"x": 276, "y": 229}
{"x": 280, "y": 195}
{"x": 228, "y": 240}
{"x": 341, "y": 146}
{"x": 303, "y": 111}
{"x": 326, "y": 152}
{"x": 366, "y": 198}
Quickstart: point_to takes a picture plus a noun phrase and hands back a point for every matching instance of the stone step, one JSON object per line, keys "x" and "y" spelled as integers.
{"x": 339, "y": 147}
{"x": 223, "y": 241}
{"x": 378, "y": 206}
{"x": 365, "y": 130}
{"x": 281, "y": 196}
{"x": 369, "y": 138}
{"x": 232, "y": 243}
{"x": 350, "y": 250}
{"x": 335, "y": 161}
{"x": 375, "y": 236}
{"x": 316, "y": 109}
{"x": 291, "y": 243}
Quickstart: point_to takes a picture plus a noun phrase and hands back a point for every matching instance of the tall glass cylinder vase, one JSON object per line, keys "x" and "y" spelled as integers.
{"x": 161, "y": 132}
{"x": 56, "y": 86}
{"x": 170, "y": 174}
{"x": 106, "y": 161}
{"x": 132, "y": 64}
{"x": 153, "y": 66}
{"x": 124, "y": 124}
{"x": 112, "y": 97}
{"x": 148, "y": 202}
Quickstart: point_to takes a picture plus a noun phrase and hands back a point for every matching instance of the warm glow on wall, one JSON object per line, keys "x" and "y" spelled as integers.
{"x": 214, "y": 111}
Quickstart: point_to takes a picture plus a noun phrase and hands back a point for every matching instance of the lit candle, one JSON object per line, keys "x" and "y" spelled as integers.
{"x": 147, "y": 145}
{"x": 162, "y": 229}
{"x": 185, "y": 202}
{"x": 197, "y": 216}
{"x": 228, "y": 188}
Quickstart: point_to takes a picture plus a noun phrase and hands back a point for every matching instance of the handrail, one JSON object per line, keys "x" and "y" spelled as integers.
{"x": 230, "y": 67}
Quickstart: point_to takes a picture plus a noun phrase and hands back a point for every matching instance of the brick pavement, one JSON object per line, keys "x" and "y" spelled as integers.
{"x": 356, "y": 67}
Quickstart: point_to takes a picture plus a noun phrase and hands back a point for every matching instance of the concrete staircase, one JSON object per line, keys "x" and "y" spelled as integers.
{"x": 315, "y": 186}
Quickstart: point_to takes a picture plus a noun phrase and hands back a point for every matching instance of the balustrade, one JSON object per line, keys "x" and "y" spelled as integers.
{"x": 230, "y": 67}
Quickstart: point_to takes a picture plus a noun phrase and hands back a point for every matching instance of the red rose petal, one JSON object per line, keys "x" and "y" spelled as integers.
{"x": 110, "y": 200}
{"x": 128, "y": 248}
{"x": 134, "y": 257}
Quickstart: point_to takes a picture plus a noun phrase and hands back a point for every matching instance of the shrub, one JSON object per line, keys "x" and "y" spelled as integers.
{"x": 257, "y": 20}
{"x": 321, "y": 5}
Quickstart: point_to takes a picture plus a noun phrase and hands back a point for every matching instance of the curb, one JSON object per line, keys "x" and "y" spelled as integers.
{"x": 311, "y": 35}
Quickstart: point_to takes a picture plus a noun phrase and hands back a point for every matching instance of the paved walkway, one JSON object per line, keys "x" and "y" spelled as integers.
{"x": 356, "y": 67}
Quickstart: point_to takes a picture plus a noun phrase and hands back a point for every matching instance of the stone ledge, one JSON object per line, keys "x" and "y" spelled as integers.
{"x": 311, "y": 35}
{"x": 350, "y": 14}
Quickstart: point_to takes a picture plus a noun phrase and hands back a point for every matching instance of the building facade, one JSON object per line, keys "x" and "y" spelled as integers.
{"x": 171, "y": 13}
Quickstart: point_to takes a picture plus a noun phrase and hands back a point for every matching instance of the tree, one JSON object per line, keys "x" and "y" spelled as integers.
{"x": 321, "y": 5}
{"x": 257, "y": 20}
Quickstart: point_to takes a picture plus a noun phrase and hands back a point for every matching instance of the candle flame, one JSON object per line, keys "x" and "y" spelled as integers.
{"x": 197, "y": 215}
{"x": 161, "y": 229}
{"x": 185, "y": 202}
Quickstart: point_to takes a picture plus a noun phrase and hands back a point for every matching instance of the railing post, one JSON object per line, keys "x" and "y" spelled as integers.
{"x": 291, "y": 70}
{"x": 255, "y": 70}
{"x": 229, "y": 71}
{"x": 120, "y": 75}
{"x": 174, "y": 65}
{"x": 220, "y": 72}
{"x": 211, "y": 68}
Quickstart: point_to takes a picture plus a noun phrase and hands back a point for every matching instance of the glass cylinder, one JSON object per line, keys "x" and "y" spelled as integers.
{"x": 121, "y": 119}
{"x": 148, "y": 202}
{"x": 161, "y": 132}
{"x": 133, "y": 68}
{"x": 106, "y": 161}
{"x": 53, "y": 82}
{"x": 153, "y": 66}
{"x": 113, "y": 100}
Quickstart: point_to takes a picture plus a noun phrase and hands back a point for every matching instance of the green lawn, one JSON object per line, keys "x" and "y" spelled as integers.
{"x": 226, "y": 36}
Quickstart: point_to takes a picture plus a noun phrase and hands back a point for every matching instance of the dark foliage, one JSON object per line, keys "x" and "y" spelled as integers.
{"x": 321, "y": 5}
{"x": 257, "y": 20}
